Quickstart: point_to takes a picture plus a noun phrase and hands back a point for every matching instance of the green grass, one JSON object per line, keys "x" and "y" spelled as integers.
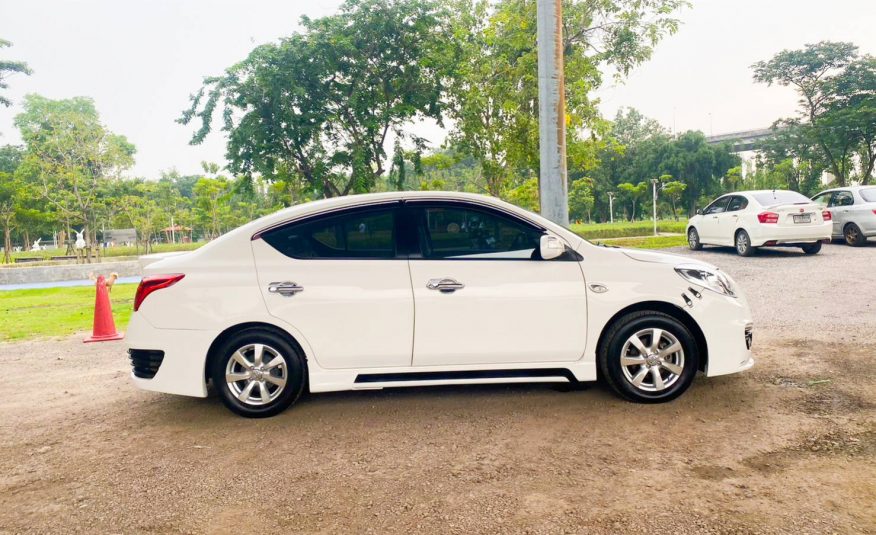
{"x": 650, "y": 242}
{"x": 112, "y": 251}
{"x": 624, "y": 229}
{"x": 48, "y": 312}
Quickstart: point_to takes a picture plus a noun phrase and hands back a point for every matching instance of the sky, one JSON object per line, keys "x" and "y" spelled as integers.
{"x": 140, "y": 61}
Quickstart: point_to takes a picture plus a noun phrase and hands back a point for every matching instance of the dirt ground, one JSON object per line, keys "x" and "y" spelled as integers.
{"x": 788, "y": 447}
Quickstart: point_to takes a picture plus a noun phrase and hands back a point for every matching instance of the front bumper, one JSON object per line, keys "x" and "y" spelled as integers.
{"x": 181, "y": 370}
{"x": 728, "y": 329}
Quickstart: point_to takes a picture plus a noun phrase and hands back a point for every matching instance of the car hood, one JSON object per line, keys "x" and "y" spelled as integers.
{"x": 662, "y": 258}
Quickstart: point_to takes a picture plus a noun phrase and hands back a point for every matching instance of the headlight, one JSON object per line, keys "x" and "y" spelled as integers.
{"x": 712, "y": 279}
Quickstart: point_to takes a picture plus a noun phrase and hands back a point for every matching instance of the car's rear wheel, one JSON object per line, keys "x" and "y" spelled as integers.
{"x": 853, "y": 235}
{"x": 258, "y": 373}
{"x": 812, "y": 248}
{"x": 693, "y": 240}
{"x": 743, "y": 244}
{"x": 649, "y": 357}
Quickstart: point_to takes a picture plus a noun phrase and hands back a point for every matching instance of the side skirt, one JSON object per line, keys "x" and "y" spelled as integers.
{"x": 537, "y": 375}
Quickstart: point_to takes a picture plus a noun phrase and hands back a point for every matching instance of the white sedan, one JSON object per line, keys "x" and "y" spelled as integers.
{"x": 747, "y": 220}
{"x": 426, "y": 288}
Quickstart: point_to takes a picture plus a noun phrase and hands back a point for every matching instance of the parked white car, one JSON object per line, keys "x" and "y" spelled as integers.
{"x": 853, "y": 210}
{"x": 747, "y": 220}
{"x": 426, "y": 288}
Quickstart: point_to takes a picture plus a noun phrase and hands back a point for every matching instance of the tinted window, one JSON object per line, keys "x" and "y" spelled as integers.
{"x": 359, "y": 234}
{"x": 737, "y": 203}
{"x": 718, "y": 206}
{"x": 455, "y": 232}
{"x": 772, "y": 198}
{"x": 843, "y": 198}
{"x": 868, "y": 194}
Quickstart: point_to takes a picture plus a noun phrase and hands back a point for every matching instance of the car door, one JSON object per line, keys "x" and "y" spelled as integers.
{"x": 728, "y": 221}
{"x": 338, "y": 279}
{"x": 709, "y": 227}
{"x": 841, "y": 209}
{"x": 825, "y": 200}
{"x": 483, "y": 295}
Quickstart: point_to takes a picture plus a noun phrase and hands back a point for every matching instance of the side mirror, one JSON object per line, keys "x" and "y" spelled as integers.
{"x": 551, "y": 247}
{"x": 699, "y": 211}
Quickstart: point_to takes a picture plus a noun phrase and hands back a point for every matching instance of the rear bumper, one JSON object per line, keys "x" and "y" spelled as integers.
{"x": 182, "y": 368}
{"x": 792, "y": 235}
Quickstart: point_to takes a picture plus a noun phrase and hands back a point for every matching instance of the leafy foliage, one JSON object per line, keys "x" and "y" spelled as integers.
{"x": 315, "y": 109}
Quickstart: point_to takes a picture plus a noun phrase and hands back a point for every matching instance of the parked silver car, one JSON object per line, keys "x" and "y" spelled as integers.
{"x": 854, "y": 212}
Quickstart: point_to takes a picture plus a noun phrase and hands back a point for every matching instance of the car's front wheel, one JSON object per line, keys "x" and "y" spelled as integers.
{"x": 258, "y": 373}
{"x": 649, "y": 357}
{"x": 693, "y": 239}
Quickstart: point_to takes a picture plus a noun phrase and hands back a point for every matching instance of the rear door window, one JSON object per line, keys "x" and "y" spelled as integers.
{"x": 359, "y": 234}
{"x": 843, "y": 198}
{"x": 737, "y": 202}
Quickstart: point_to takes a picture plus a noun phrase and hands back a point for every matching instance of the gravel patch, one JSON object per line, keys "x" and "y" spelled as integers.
{"x": 787, "y": 447}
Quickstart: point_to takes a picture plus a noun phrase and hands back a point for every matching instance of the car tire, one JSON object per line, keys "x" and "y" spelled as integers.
{"x": 853, "y": 235}
{"x": 743, "y": 245}
{"x": 271, "y": 373}
{"x": 634, "y": 375}
{"x": 693, "y": 240}
{"x": 812, "y": 248}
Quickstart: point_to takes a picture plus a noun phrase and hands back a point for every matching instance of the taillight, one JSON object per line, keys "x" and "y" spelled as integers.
{"x": 768, "y": 217}
{"x": 152, "y": 283}
{"x": 826, "y": 215}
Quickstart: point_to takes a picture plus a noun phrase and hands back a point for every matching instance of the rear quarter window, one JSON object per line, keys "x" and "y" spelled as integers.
{"x": 868, "y": 194}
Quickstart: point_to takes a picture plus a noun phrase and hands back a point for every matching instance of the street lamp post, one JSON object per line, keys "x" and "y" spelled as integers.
{"x": 654, "y": 182}
{"x": 611, "y": 195}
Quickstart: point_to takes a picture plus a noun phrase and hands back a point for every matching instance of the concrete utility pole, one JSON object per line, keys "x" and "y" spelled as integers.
{"x": 552, "y": 185}
{"x": 654, "y": 182}
{"x": 611, "y": 206}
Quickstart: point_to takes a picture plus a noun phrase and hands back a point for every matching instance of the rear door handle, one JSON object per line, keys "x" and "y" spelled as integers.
{"x": 445, "y": 285}
{"x": 286, "y": 289}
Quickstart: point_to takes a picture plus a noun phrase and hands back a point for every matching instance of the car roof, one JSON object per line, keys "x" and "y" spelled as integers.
{"x": 352, "y": 201}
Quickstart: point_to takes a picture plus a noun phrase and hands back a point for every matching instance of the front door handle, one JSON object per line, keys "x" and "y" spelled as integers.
{"x": 286, "y": 289}
{"x": 445, "y": 285}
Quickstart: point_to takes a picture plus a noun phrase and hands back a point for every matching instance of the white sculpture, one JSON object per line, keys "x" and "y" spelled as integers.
{"x": 36, "y": 245}
{"x": 80, "y": 241}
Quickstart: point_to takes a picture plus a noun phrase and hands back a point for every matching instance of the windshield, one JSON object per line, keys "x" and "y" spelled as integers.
{"x": 771, "y": 198}
{"x": 868, "y": 194}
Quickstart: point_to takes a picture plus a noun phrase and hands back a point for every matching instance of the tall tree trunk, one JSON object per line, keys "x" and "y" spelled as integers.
{"x": 7, "y": 243}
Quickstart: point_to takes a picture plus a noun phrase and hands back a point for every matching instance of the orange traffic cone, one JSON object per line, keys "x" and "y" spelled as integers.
{"x": 104, "y": 326}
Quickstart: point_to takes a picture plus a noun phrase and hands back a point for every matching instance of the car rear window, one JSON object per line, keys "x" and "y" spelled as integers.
{"x": 869, "y": 194}
{"x": 771, "y": 198}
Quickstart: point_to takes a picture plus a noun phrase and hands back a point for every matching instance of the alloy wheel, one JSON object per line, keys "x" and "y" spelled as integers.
{"x": 256, "y": 374}
{"x": 652, "y": 360}
{"x": 742, "y": 243}
{"x": 852, "y": 234}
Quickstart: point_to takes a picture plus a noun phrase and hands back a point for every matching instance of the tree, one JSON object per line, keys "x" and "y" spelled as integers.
{"x": 494, "y": 93}
{"x": 143, "y": 212}
{"x": 581, "y": 199}
{"x": 8, "y": 67}
{"x": 633, "y": 194}
{"x": 837, "y": 89}
{"x": 317, "y": 107}
{"x": 673, "y": 189}
{"x": 525, "y": 195}
{"x": 71, "y": 155}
